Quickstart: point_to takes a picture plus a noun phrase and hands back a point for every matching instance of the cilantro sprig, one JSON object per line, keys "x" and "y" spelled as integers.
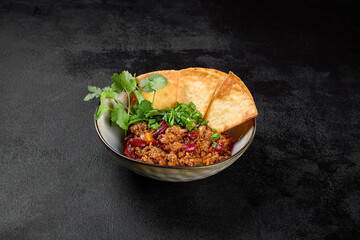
{"x": 123, "y": 82}
{"x": 184, "y": 114}
{"x": 153, "y": 83}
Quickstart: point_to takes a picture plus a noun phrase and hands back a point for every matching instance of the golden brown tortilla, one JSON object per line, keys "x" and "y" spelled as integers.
{"x": 198, "y": 85}
{"x": 231, "y": 105}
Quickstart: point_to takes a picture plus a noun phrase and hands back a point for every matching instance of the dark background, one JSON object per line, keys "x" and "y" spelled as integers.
{"x": 298, "y": 180}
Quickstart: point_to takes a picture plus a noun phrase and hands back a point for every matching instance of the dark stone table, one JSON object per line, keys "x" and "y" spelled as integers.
{"x": 298, "y": 180}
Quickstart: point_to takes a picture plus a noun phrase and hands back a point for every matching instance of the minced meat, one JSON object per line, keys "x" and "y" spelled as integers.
{"x": 176, "y": 146}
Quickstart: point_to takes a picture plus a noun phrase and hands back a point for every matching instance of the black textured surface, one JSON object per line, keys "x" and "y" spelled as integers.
{"x": 298, "y": 180}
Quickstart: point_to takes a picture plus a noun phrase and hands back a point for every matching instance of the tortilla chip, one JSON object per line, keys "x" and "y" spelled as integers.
{"x": 164, "y": 97}
{"x": 217, "y": 73}
{"x": 231, "y": 105}
{"x": 242, "y": 84}
{"x": 220, "y": 75}
{"x": 198, "y": 85}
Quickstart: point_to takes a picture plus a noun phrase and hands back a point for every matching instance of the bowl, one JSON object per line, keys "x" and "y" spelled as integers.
{"x": 111, "y": 136}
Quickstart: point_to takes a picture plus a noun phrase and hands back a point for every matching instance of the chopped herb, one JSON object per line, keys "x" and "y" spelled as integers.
{"x": 214, "y": 129}
{"x": 214, "y": 144}
{"x": 215, "y": 136}
{"x": 204, "y": 123}
{"x": 155, "y": 126}
{"x": 184, "y": 115}
{"x": 192, "y": 105}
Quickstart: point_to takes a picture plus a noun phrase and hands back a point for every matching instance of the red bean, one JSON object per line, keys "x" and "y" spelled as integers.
{"x": 128, "y": 137}
{"x": 191, "y": 147}
{"x": 192, "y": 135}
{"x": 129, "y": 152}
{"x": 138, "y": 142}
{"x": 162, "y": 122}
{"x": 219, "y": 146}
{"x": 160, "y": 130}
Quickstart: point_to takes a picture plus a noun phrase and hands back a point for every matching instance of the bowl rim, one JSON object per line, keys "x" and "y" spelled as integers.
{"x": 116, "y": 152}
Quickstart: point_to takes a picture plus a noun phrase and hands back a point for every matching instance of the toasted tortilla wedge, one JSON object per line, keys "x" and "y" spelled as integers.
{"x": 232, "y": 104}
{"x": 220, "y": 75}
{"x": 198, "y": 85}
{"x": 164, "y": 97}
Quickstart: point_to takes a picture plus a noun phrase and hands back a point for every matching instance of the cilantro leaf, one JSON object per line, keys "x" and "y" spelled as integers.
{"x": 142, "y": 108}
{"x": 106, "y": 89}
{"x": 101, "y": 111}
{"x": 153, "y": 83}
{"x": 155, "y": 126}
{"x": 144, "y": 105}
{"x": 89, "y": 96}
{"x": 95, "y": 92}
{"x": 157, "y": 81}
{"x": 103, "y": 107}
{"x": 215, "y": 136}
{"x": 94, "y": 89}
{"x": 108, "y": 93}
{"x": 119, "y": 116}
{"x": 139, "y": 95}
{"x": 145, "y": 85}
{"x": 124, "y": 81}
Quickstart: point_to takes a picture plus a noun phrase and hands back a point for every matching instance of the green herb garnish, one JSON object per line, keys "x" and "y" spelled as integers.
{"x": 214, "y": 144}
{"x": 215, "y": 136}
{"x": 183, "y": 115}
{"x": 126, "y": 82}
{"x": 153, "y": 83}
{"x": 119, "y": 116}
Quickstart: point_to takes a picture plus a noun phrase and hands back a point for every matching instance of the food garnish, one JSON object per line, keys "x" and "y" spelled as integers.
{"x": 215, "y": 136}
{"x": 184, "y": 114}
{"x": 126, "y": 82}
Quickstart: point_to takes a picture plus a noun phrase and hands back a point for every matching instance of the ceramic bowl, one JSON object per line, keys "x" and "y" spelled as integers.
{"x": 111, "y": 137}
